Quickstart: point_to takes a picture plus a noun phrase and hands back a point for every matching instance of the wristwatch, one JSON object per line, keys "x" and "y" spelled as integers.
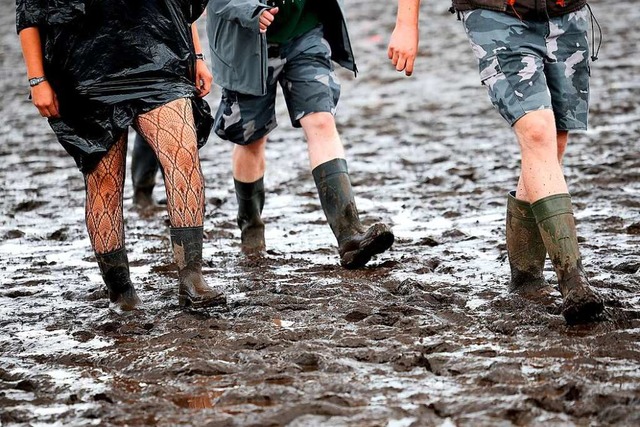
{"x": 36, "y": 81}
{"x": 200, "y": 56}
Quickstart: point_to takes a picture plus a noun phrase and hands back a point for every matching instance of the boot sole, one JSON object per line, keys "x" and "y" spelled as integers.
{"x": 380, "y": 240}
{"x": 188, "y": 301}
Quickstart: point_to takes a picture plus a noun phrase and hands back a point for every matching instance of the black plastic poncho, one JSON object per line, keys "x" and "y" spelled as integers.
{"x": 111, "y": 60}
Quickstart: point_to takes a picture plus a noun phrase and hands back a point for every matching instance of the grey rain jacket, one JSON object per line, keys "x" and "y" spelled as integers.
{"x": 239, "y": 50}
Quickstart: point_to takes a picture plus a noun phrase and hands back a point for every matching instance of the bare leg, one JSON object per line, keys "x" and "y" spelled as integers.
{"x": 545, "y": 187}
{"x": 541, "y": 174}
{"x": 323, "y": 140}
{"x": 356, "y": 246}
{"x": 248, "y": 161}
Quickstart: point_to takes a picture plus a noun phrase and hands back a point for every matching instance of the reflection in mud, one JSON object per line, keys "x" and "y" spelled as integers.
{"x": 428, "y": 336}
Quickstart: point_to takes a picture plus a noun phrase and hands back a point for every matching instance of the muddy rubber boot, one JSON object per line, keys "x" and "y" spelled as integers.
{"x": 144, "y": 168}
{"x": 356, "y": 245}
{"x": 187, "y": 250}
{"x": 114, "y": 267}
{"x": 143, "y": 198}
{"x": 558, "y": 230}
{"x": 526, "y": 251}
{"x": 250, "y": 197}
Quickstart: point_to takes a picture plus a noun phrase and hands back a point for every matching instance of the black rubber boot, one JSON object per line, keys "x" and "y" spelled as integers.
{"x": 526, "y": 251}
{"x": 558, "y": 230}
{"x": 114, "y": 267}
{"x": 144, "y": 168}
{"x": 250, "y": 197}
{"x": 356, "y": 245}
{"x": 187, "y": 250}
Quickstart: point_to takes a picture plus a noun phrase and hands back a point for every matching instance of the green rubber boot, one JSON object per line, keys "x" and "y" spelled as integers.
{"x": 356, "y": 246}
{"x": 525, "y": 250}
{"x": 558, "y": 230}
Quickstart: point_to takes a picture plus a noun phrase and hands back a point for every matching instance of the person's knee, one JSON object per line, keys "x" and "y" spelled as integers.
{"x": 253, "y": 149}
{"x": 537, "y": 132}
{"x": 319, "y": 124}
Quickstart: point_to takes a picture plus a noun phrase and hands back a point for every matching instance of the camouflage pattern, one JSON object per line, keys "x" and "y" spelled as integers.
{"x": 305, "y": 72}
{"x": 532, "y": 65}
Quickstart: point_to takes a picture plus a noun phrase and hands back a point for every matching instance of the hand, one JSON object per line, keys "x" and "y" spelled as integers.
{"x": 266, "y": 18}
{"x": 403, "y": 47}
{"x": 203, "y": 78}
{"x": 45, "y": 100}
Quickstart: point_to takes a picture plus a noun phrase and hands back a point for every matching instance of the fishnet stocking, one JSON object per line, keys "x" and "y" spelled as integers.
{"x": 170, "y": 132}
{"x": 103, "y": 208}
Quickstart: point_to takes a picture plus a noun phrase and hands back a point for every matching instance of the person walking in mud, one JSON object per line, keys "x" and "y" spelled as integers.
{"x": 129, "y": 66}
{"x": 292, "y": 42}
{"x": 534, "y": 60}
{"x": 144, "y": 164}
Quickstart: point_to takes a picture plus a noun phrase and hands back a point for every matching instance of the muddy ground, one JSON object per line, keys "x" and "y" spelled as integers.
{"x": 427, "y": 335}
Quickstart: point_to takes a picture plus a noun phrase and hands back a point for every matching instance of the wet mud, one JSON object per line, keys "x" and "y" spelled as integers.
{"x": 427, "y": 335}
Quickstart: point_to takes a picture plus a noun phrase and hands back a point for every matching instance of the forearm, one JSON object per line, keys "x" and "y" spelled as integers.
{"x": 32, "y": 51}
{"x": 196, "y": 39}
{"x": 408, "y": 12}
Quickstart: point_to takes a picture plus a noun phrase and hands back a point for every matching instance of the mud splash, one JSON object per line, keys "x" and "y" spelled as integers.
{"x": 428, "y": 337}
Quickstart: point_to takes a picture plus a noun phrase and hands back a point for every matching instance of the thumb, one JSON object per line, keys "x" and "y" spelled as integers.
{"x": 274, "y": 10}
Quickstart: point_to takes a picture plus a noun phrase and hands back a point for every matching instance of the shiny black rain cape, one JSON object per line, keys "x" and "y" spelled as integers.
{"x": 111, "y": 60}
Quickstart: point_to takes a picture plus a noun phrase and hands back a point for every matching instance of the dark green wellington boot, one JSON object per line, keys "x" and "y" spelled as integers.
{"x": 187, "y": 250}
{"x": 557, "y": 227}
{"x": 525, "y": 250}
{"x": 114, "y": 267}
{"x": 250, "y": 197}
{"x": 356, "y": 245}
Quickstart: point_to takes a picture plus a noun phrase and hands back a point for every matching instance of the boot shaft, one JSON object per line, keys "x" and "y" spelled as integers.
{"x": 186, "y": 243}
{"x": 114, "y": 267}
{"x": 337, "y": 199}
{"x": 556, "y": 223}
{"x": 525, "y": 247}
{"x": 250, "y": 197}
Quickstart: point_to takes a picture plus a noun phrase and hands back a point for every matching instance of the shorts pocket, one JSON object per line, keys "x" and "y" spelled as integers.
{"x": 490, "y": 71}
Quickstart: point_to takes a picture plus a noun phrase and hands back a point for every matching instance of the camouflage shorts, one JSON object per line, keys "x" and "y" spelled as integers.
{"x": 304, "y": 70}
{"x": 529, "y": 65}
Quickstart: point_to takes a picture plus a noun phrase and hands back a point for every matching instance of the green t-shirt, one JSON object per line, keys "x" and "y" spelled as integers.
{"x": 294, "y": 17}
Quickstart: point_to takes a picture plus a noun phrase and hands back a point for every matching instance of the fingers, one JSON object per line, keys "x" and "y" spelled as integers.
{"x": 401, "y": 63}
{"x": 266, "y": 18}
{"x": 204, "y": 86}
{"x": 395, "y": 58}
{"x": 55, "y": 108}
{"x": 45, "y": 100}
{"x": 409, "y": 67}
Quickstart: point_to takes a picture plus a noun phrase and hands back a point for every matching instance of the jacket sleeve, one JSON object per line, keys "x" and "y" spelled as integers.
{"x": 29, "y": 13}
{"x": 242, "y": 12}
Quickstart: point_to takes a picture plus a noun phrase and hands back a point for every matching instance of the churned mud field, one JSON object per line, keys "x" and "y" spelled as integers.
{"x": 427, "y": 335}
